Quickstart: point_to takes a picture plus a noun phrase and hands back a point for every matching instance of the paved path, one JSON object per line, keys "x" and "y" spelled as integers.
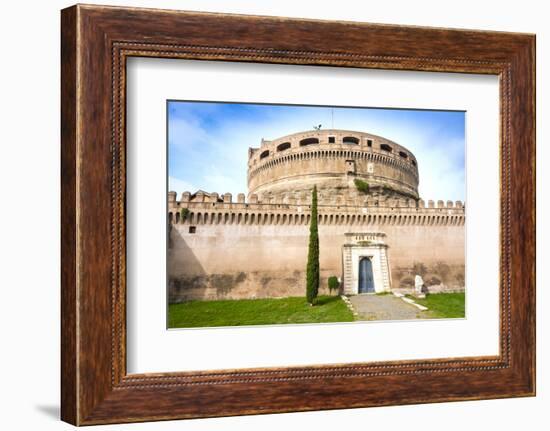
{"x": 383, "y": 307}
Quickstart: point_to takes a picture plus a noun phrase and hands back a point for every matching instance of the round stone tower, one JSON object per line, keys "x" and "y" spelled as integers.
{"x": 343, "y": 164}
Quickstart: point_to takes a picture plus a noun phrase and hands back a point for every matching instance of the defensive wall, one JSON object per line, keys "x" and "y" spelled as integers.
{"x": 219, "y": 248}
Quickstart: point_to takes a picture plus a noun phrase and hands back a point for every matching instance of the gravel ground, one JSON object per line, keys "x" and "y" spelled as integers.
{"x": 383, "y": 307}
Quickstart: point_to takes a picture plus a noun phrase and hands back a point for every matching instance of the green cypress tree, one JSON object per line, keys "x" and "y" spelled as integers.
{"x": 312, "y": 272}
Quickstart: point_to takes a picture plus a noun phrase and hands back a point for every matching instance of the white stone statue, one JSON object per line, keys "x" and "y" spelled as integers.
{"x": 418, "y": 284}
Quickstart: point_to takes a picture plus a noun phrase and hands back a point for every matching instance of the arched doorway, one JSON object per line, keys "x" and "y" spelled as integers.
{"x": 366, "y": 279}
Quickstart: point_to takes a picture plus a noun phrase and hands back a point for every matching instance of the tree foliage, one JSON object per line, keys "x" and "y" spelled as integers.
{"x": 312, "y": 270}
{"x": 333, "y": 283}
{"x": 184, "y": 213}
{"x": 361, "y": 185}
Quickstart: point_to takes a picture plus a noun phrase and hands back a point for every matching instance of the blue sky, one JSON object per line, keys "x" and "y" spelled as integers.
{"x": 208, "y": 142}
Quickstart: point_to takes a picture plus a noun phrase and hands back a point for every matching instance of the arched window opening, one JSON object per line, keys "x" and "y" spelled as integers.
{"x": 403, "y": 154}
{"x": 350, "y": 140}
{"x": 386, "y": 147}
{"x": 264, "y": 154}
{"x": 283, "y": 146}
{"x": 308, "y": 141}
{"x": 413, "y": 162}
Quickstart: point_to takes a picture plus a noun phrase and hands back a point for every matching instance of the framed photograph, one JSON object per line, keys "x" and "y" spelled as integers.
{"x": 338, "y": 203}
{"x": 263, "y": 214}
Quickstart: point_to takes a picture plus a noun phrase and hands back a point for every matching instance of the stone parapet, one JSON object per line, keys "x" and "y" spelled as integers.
{"x": 368, "y": 211}
{"x": 331, "y": 159}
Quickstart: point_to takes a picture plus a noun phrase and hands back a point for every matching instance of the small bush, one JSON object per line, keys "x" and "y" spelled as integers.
{"x": 184, "y": 213}
{"x": 361, "y": 185}
{"x": 333, "y": 283}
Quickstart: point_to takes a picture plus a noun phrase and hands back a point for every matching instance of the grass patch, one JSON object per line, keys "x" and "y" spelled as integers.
{"x": 443, "y": 305}
{"x": 361, "y": 185}
{"x": 269, "y": 311}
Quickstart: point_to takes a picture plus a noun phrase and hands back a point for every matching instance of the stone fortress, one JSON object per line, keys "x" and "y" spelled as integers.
{"x": 375, "y": 231}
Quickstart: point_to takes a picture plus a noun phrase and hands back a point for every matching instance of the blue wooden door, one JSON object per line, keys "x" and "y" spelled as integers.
{"x": 366, "y": 281}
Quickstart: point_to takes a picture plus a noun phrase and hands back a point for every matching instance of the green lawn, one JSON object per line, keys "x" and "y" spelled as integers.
{"x": 443, "y": 305}
{"x": 193, "y": 314}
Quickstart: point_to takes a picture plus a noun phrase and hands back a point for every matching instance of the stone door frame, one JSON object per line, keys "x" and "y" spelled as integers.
{"x": 369, "y": 245}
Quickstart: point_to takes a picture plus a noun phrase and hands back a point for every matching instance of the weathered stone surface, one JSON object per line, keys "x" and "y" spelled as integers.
{"x": 296, "y": 162}
{"x": 279, "y": 253}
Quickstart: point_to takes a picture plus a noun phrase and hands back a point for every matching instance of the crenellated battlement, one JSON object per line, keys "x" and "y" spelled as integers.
{"x": 200, "y": 197}
{"x": 215, "y": 208}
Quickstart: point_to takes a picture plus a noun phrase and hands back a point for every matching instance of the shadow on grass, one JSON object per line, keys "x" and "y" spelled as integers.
{"x": 238, "y": 312}
{"x": 324, "y": 300}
